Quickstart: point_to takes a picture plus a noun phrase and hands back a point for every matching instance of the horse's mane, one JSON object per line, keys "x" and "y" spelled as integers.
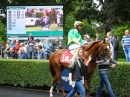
{"x": 91, "y": 45}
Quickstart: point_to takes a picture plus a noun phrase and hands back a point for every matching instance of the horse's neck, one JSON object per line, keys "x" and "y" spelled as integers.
{"x": 93, "y": 51}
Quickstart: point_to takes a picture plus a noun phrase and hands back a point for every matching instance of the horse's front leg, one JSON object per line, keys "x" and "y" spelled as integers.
{"x": 86, "y": 88}
{"x": 88, "y": 84}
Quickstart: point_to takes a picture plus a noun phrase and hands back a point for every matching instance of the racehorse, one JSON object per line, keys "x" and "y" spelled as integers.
{"x": 93, "y": 49}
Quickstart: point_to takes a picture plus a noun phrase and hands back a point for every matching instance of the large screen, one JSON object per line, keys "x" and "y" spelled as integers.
{"x": 39, "y": 20}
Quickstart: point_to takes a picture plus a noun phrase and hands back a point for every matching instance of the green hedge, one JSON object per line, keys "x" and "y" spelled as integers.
{"x": 121, "y": 54}
{"x": 24, "y": 72}
{"x": 36, "y": 73}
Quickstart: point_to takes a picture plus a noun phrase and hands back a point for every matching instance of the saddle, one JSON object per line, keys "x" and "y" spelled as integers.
{"x": 65, "y": 57}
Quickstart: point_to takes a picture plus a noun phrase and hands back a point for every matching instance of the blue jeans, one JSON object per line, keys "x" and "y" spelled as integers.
{"x": 104, "y": 81}
{"x": 127, "y": 53}
{"x": 78, "y": 86}
{"x": 31, "y": 55}
{"x": 8, "y": 54}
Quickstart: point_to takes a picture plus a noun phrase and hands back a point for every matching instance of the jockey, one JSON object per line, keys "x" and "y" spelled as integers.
{"x": 74, "y": 37}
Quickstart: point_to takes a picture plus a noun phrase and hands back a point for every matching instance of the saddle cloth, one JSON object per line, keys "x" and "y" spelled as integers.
{"x": 65, "y": 57}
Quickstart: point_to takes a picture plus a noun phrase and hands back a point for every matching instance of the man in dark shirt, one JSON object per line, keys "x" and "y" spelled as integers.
{"x": 31, "y": 48}
{"x": 98, "y": 37}
{"x": 45, "y": 21}
{"x": 116, "y": 48}
{"x": 13, "y": 54}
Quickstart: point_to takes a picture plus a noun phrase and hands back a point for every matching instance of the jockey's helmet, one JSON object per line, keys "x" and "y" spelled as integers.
{"x": 77, "y": 23}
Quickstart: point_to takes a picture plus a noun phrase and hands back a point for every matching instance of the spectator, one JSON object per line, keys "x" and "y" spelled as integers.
{"x": 103, "y": 67}
{"x": 59, "y": 15}
{"x": 57, "y": 44}
{"x": 12, "y": 44}
{"x": 98, "y": 37}
{"x": 31, "y": 48}
{"x": 17, "y": 46}
{"x": 41, "y": 53}
{"x": 23, "y": 54}
{"x": 26, "y": 47}
{"x": 21, "y": 46}
{"x": 34, "y": 13}
{"x": 7, "y": 48}
{"x": 126, "y": 45}
{"x": 45, "y": 21}
{"x": 13, "y": 54}
{"x": 38, "y": 43}
{"x": 86, "y": 40}
{"x": 48, "y": 48}
{"x": 116, "y": 48}
{"x": 30, "y": 36}
{"x": 111, "y": 41}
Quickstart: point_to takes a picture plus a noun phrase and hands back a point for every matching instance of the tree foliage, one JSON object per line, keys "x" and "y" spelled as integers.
{"x": 120, "y": 30}
{"x": 113, "y": 12}
{"x": 2, "y": 32}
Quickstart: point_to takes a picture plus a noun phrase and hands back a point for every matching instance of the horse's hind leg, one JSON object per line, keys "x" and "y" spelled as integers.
{"x": 52, "y": 87}
{"x": 58, "y": 74}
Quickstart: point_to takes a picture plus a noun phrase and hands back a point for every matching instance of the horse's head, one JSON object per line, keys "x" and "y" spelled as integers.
{"x": 97, "y": 48}
{"x": 104, "y": 49}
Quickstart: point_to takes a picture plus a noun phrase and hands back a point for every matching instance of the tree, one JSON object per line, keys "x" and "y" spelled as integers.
{"x": 113, "y": 12}
{"x": 2, "y": 32}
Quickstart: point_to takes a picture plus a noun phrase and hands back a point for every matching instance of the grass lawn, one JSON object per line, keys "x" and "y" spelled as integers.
{"x": 33, "y": 28}
{"x": 121, "y": 60}
{"x": 38, "y": 28}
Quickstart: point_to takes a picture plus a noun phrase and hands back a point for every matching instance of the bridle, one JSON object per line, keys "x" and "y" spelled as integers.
{"x": 105, "y": 51}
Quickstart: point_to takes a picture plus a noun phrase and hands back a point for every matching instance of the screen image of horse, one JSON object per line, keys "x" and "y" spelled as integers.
{"x": 93, "y": 49}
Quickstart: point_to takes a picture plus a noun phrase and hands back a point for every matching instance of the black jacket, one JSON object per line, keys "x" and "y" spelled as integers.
{"x": 78, "y": 72}
{"x": 14, "y": 55}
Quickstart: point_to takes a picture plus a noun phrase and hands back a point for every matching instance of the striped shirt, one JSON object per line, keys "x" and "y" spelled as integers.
{"x": 126, "y": 40}
{"x": 104, "y": 64}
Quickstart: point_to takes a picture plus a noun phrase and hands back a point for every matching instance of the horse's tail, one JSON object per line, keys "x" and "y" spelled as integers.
{"x": 52, "y": 71}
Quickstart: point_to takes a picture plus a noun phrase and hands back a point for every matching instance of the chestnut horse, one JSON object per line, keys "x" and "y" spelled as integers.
{"x": 93, "y": 49}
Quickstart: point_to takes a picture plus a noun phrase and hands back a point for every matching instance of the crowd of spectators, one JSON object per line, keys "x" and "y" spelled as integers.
{"x": 32, "y": 49}
{"x": 35, "y": 49}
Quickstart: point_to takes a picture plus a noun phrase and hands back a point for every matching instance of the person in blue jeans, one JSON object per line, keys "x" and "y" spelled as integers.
{"x": 48, "y": 47}
{"x": 103, "y": 66}
{"x": 126, "y": 45}
{"x": 77, "y": 73}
